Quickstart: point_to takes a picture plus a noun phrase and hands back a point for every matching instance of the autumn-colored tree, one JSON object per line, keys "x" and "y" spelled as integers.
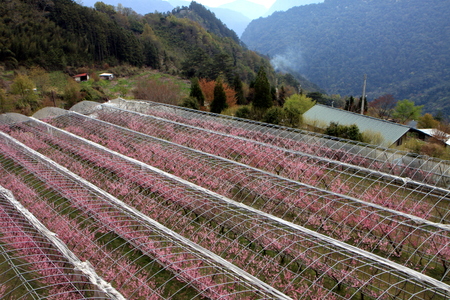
{"x": 382, "y": 107}
{"x": 208, "y": 90}
{"x": 427, "y": 121}
{"x": 207, "y": 87}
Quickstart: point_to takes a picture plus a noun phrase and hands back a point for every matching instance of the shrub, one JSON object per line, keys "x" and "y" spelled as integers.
{"x": 350, "y": 132}
{"x": 372, "y": 137}
{"x": 243, "y": 112}
{"x": 432, "y": 149}
{"x": 295, "y": 106}
{"x": 190, "y": 102}
{"x": 274, "y": 115}
{"x": 158, "y": 91}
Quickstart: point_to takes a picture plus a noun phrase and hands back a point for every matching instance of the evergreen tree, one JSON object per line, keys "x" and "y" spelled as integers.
{"x": 238, "y": 87}
{"x": 358, "y": 107}
{"x": 282, "y": 94}
{"x": 196, "y": 92}
{"x": 318, "y": 97}
{"x": 263, "y": 95}
{"x": 350, "y": 104}
{"x": 220, "y": 98}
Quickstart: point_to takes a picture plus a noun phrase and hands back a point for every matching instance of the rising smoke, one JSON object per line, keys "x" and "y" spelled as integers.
{"x": 290, "y": 61}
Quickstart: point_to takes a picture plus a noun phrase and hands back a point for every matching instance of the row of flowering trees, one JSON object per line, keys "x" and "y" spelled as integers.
{"x": 341, "y": 217}
{"x": 260, "y": 202}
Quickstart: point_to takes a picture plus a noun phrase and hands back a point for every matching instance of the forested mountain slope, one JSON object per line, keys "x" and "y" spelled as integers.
{"x": 60, "y": 34}
{"x": 402, "y": 46}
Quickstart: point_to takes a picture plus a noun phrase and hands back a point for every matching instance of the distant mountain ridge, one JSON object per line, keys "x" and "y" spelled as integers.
{"x": 283, "y": 5}
{"x": 402, "y": 46}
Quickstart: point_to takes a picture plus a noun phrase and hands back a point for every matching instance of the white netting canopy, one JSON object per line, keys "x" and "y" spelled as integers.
{"x": 161, "y": 202}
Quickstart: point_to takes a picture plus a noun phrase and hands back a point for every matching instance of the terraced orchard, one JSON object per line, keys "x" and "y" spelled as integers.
{"x": 140, "y": 200}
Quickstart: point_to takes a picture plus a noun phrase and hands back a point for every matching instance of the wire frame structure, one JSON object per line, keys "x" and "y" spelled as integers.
{"x": 36, "y": 264}
{"x": 388, "y": 160}
{"x": 228, "y": 226}
{"x": 144, "y": 259}
{"x": 338, "y": 174}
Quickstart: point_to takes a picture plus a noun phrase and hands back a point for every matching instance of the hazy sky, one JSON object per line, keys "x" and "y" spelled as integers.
{"x": 215, "y": 3}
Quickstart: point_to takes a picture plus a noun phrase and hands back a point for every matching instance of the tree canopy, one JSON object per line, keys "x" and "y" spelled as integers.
{"x": 406, "y": 110}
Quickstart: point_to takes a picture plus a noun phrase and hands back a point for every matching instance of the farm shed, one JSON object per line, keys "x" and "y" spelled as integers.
{"x": 81, "y": 77}
{"x": 106, "y": 76}
{"x": 429, "y": 133}
{"x": 392, "y": 133}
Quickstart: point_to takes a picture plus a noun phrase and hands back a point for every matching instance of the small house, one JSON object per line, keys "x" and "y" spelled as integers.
{"x": 81, "y": 77}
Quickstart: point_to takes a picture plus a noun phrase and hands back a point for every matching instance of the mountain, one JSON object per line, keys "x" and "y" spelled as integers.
{"x": 249, "y": 9}
{"x": 140, "y": 6}
{"x": 180, "y": 3}
{"x": 233, "y": 19}
{"x": 206, "y": 18}
{"x": 402, "y": 46}
{"x": 59, "y": 35}
{"x": 283, "y": 5}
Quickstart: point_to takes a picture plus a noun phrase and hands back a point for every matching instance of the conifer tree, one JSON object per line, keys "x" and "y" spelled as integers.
{"x": 349, "y": 104}
{"x": 196, "y": 92}
{"x": 263, "y": 96}
{"x": 220, "y": 98}
{"x": 238, "y": 87}
{"x": 358, "y": 107}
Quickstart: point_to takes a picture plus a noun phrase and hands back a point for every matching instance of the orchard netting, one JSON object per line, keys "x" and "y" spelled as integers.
{"x": 160, "y": 202}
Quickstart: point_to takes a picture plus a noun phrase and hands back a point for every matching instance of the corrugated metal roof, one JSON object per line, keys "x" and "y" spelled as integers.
{"x": 432, "y": 131}
{"x": 390, "y": 132}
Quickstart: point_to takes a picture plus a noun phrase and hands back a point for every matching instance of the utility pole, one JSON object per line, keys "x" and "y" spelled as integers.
{"x": 363, "y": 94}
